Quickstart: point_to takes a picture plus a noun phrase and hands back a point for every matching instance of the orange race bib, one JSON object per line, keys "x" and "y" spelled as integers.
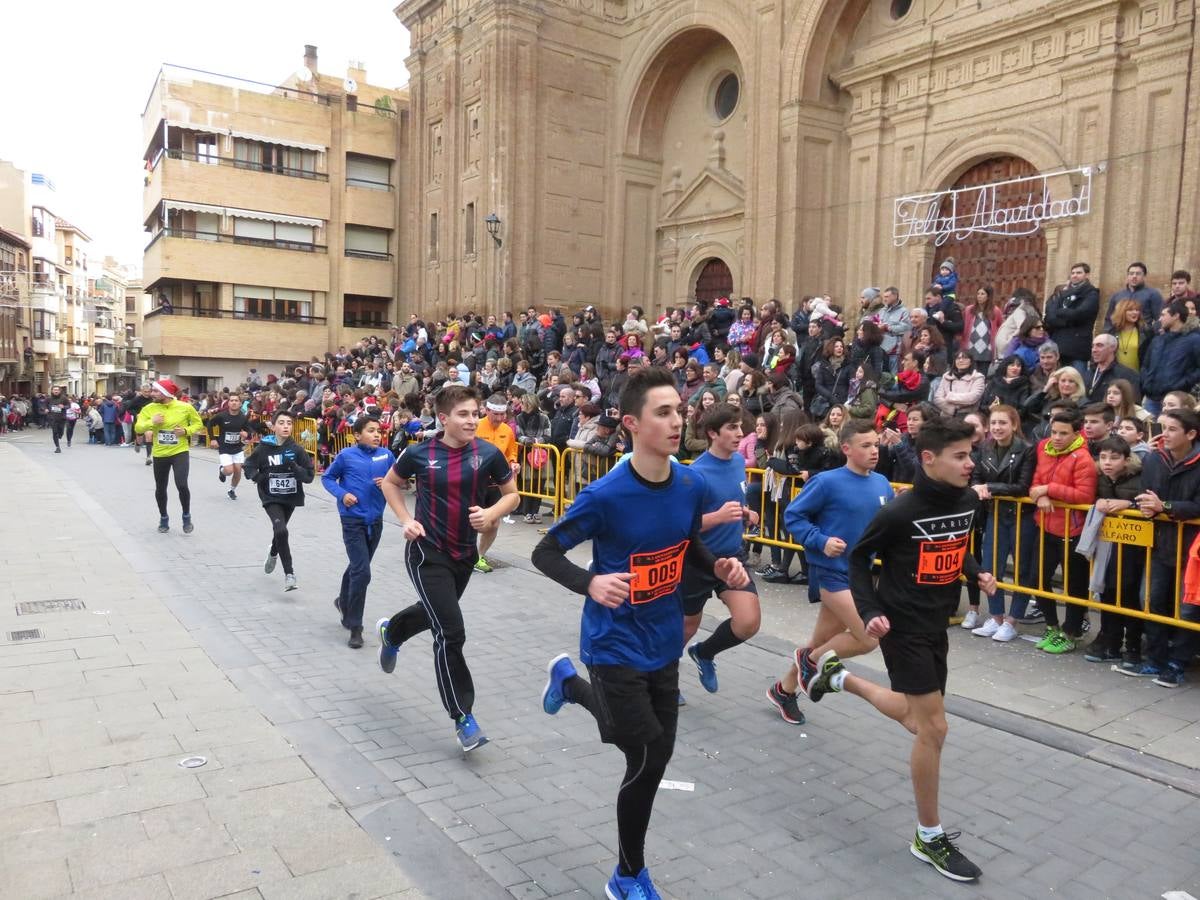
{"x": 940, "y": 562}
{"x": 656, "y": 574}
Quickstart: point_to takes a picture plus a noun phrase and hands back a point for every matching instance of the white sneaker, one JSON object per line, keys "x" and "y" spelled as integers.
{"x": 987, "y": 629}
{"x": 1005, "y": 633}
{"x": 970, "y": 620}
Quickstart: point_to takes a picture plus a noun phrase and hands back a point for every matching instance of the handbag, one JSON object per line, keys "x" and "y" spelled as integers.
{"x": 819, "y": 407}
{"x": 538, "y": 457}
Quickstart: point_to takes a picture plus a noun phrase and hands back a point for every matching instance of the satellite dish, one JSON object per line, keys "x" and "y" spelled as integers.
{"x": 304, "y": 75}
{"x": 350, "y": 85}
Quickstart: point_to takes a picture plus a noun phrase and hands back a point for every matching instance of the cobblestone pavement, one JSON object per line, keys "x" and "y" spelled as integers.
{"x": 776, "y": 811}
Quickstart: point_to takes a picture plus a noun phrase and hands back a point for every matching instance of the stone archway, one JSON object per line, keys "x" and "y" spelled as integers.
{"x": 713, "y": 279}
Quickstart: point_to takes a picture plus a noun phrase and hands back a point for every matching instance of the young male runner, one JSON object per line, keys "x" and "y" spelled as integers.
{"x": 632, "y": 626}
{"x": 827, "y": 518}
{"x": 452, "y": 473}
{"x": 922, "y": 540}
{"x": 353, "y": 479}
{"x": 280, "y": 467}
{"x": 57, "y": 408}
{"x": 231, "y": 430}
{"x": 724, "y": 472}
{"x": 169, "y": 425}
{"x": 493, "y": 429}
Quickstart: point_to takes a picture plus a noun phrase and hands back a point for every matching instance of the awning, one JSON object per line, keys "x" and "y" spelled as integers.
{"x": 241, "y": 213}
{"x": 209, "y": 128}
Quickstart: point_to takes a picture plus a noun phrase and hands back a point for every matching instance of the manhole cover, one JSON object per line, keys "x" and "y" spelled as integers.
{"x": 33, "y": 607}
{"x": 28, "y": 634}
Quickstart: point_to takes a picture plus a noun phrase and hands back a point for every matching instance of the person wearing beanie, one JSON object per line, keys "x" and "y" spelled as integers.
{"x": 947, "y": 278}
{"x": 170, "y": 425}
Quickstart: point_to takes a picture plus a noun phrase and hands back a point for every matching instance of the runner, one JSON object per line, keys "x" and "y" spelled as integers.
{"x": 724, "y": 471}
{"x": 168, "y": 425}
{"x": 452, "y": 473}
{"x": 353, "y": 480}
{"x": 280, "y": 467}
{"x": 632, "y": 627}
{"x": 59, "y": 403}
{"x": 136, "y": 405}
{"x": 493, "y": 429}
{"x": 921, "y": 539}
{"x": 827, "y": 518}
{"x": 230, "y": 430}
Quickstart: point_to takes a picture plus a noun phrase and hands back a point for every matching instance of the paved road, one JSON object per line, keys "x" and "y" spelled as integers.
{"x": 824, "y": 809}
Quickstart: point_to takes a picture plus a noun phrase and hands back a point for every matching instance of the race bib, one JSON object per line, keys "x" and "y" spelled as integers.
{"x": 281, "y": 484}
{"x": 232, "y": 437}
{"x": 940, "y": 562}
{"x": 168, "y": 437}
{"x": 656, "y": 574}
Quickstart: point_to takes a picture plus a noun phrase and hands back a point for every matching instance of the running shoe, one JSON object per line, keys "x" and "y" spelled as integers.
{"x": 58, "y": 449}
{"x": 164, "y": 525}
{"x": 528, "y": 518}
{"x": 706, "y": 667}
{"x": 1170, "y": 677}
{"x": 508, "y": 520}
{"x": 766, "y": 570}
{"x": 387, "y": 651}
{"x": 1139, "y": 670}
{"x": 232, "y": 494}
{"x": 806, "y": 669}
{"x": 1005, "y": 633}
{"x": 622, "y": 887}
{"x": 1047, "y": 638}
{"x": 356, "y": 639}
{"x": 777, "y": 576}
{"x": 1060, "y": 644}
{"x": 470, "y": 735}
{"x": 188, "y": 527}
{"x": 1033, "y": 616}
{"x": 221, "y": 474}
{"x": 481, "y": 565}
{"x": 1131, "y": 659}
{"x": 553, "y": 697}
{"x": 537, "y": 518}
{"x": 945, "y": 857}
{"x": 681, "y": 700}
{"x": 289, "y": 582}
{"x": 830, "y": 666}
{"x": 971, "y": 619}
{"x": 987, "y": 629}
{"x": 1100, "y": 654}
{"x": 149, "y": 460}
{"x": 789, "y": 709}
{"x": 269, "y": 565}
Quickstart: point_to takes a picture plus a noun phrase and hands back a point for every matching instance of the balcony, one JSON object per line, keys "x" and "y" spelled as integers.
{"x": 224, "y": 258}
{"x": 221, "y": 181}
{"x": 47, "y": 297}
{"x": 102, "y": 335}
{"x": 370, "y": 274}
{"x": 45, "y": 345}
{"x": 369, "y": 206}
{"x": 105, "y": 368}
{"x": 371, "y": 134}
{"x": 221, "y": 336}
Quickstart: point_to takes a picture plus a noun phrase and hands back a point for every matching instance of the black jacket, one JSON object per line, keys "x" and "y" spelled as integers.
{"x": 1177, "y": 483}
{"x": 1007, "y": 473}
{"x": 1014, "y": 393}
{"x": 1070, "y": 317}
{"x": 833, "y": 385}
{"x": 561, "y": 423}
{"x": 280, "y": 471}
{"x": 1097, "y": 385}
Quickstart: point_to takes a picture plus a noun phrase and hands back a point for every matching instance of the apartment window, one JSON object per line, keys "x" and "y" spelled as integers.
{"x": 433, "y": 237}
{"x": 281, "y": 304}
{"x": 469, "y": 230}
{"x": 284, "y": 235}
{"x": 362, "y": 311}
{"x": 42, "y": 224}
{"x": 104, "y": 354}
{"x": 369, "y": 172}
{"x": 206, "y": 149}
{"x": 266, "y": 157}
{"x": 367, "y": 243}
{"x": 45, "y": 328}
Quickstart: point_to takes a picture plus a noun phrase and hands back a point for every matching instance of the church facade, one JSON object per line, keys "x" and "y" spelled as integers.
{"x": 646, "y": 152}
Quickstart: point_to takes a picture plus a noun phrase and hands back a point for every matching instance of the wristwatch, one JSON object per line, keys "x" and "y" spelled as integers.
{"x": 1166, "y": 504}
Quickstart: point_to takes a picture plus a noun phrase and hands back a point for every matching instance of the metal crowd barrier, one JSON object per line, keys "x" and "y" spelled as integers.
{"x": 541, "y": 474}
{"x": 579, "y": 469}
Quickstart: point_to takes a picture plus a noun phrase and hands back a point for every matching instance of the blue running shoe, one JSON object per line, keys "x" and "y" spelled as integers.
{"x": 387, "y": 652}
{"x": 560, "y": 668}
{"x": 1171, "y": 676}
{"x": 706, "y": 667}
{"x": 806, "y": 669}
{"x": 1139, "y": 670}
{"x": 622, "y": 887}
{"x": 682, "y": 700}
{"x": 470, "y": 735}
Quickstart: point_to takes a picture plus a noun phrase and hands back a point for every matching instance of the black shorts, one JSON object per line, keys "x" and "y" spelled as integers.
{"x": 916, "y": 663}
{"x": 634, "y": 707}
{"x": 492, "y": 496}
{"x": 697, "y": 587}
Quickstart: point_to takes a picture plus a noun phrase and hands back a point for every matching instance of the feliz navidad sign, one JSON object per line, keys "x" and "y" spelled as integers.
{"x": 1019, "y": 206}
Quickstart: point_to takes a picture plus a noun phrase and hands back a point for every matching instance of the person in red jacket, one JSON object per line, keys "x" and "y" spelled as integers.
{"x": 1065, "y": 473}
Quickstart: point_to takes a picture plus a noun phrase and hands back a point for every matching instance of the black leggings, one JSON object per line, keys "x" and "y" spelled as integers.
{"x": 279, "y": 516}
{"x": 163, "y": 467}
{"x": 56, "y": 431}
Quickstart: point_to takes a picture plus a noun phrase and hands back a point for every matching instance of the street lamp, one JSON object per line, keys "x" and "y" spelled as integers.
{"x": 493, "y": 227}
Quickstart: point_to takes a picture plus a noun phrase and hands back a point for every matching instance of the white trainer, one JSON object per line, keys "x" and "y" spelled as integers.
{"x": 970, "y": 620}
{"x": 1005, "y": 633}
{"x": 987, "y": 629}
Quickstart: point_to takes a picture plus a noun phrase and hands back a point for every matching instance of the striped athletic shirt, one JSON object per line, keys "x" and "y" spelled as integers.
{"x": 449, "y": 482}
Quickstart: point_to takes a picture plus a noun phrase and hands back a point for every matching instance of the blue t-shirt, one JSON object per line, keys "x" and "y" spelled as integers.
{"x": 725, "y": 480}
{"x": 645, "y": 529}
{"x": 836, "y": 503}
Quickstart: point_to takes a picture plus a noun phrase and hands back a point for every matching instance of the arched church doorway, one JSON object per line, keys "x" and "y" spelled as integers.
{"x": 1006, "y": 263}
{"x": 715, "y": 280}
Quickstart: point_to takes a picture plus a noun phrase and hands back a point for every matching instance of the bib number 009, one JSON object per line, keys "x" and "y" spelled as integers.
{"x": 657, "y": 573}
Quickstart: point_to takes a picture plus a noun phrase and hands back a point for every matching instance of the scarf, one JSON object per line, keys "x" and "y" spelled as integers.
{"x": 1051, "y": 450}
{"x": 910, "y": 380}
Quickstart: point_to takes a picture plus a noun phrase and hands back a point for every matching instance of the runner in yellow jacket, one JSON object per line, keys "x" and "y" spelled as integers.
{"x": 170, "y": 424}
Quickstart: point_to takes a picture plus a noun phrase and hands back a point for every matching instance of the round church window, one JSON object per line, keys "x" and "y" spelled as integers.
{"x": 726, "y": 97}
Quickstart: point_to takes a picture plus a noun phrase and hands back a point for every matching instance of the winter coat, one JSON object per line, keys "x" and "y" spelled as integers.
{"x": 896, "y": 322}
{"x": 1070, "y": 317}
{"x": 832, "y": 384}
{"x": 1010, "y": 328}
{"x": 995, "y": 319}
{"x": 864, "y": 406}
{"x": 1013, "y": 393}
{"x": 1172, "y": 363}
{"x": 956, "y": 394}
{"x": 1071, "y": 478}
{"x": 951, "y": 323}
{"x": 1176, "y": 482}
{"x": 1007, "y": 472}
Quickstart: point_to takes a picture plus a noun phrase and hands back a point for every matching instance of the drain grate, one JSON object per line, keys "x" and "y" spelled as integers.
{"x": 33, "y": 607}
{"x": 28, "y": 634}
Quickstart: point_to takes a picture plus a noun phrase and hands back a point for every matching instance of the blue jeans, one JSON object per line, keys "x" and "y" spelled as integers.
{"x": 1001, "y": 535}
{"x": 1028, "y": 563}
{"x": 1154, "y": 407}
{"x": 361, "y": 539}
{"x": 110, "y": 433}
{"x": 1167, "y": 644}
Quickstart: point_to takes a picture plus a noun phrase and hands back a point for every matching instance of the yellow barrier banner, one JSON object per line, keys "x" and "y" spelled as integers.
{"x": 1135, "y": 532}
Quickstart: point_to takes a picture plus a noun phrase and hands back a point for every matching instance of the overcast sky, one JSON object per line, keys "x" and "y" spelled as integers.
{"x": 77, "y": 74}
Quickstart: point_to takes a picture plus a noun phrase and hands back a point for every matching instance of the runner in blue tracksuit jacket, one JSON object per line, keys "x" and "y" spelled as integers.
{"x": 353, "y": 480}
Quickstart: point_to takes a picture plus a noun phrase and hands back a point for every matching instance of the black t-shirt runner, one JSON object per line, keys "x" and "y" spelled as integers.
{"x": 449, "y": 482}
{"x": 227, "y": 428}
{"x": 58, "y": 408}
